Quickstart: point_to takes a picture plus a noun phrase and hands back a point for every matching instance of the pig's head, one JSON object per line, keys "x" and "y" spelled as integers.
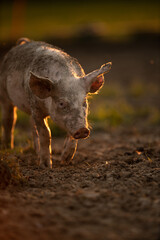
{"x": 67, "y": 99}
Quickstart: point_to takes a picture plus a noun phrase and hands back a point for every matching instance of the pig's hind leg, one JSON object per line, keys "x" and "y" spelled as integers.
{"x": 9, "y": 117}
{"x": 69, "y": 150}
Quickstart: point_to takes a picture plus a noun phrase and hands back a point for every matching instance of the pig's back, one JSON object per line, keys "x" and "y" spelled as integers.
{"x": 39, "y": 56}
{"x": 21, "y": 57}
{"x": 42, "y": 59}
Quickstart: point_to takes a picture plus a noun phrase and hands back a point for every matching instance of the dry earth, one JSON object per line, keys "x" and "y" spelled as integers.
{"x": 111, "y": 192}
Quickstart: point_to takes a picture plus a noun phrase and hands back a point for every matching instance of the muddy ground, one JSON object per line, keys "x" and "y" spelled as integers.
{"x": 112, "y": 191}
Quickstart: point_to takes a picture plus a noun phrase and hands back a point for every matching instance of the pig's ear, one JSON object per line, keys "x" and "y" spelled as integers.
{"x": 94, "y": 80}
{"x": 97, "y": 84}
{"x": 40, "y": 86}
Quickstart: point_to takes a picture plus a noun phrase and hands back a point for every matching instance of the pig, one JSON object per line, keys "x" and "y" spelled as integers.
{"x": 44, "y": 81}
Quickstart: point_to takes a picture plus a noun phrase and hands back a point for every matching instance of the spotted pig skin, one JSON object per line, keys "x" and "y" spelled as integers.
{"x": 44, "y": 81}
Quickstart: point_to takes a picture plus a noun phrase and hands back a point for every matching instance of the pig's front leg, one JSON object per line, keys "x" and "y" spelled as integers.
{"x": 35, "y": 137}
{"x": 69, "y": 150}
{"x": 45, "y": 142}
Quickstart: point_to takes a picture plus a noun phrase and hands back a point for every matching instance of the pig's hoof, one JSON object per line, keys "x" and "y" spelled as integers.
{"x": 45, "y": 164}
{"x": 65, "y": 163}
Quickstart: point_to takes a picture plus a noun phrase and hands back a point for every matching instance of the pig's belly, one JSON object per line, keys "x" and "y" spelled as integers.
{"x": 17, "y": 94}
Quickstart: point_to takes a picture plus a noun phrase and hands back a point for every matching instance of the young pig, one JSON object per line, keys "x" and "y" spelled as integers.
{"x": 43, "y": 81}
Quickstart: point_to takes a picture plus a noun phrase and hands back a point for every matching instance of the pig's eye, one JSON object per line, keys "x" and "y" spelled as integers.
{"x": 62, "y": 104}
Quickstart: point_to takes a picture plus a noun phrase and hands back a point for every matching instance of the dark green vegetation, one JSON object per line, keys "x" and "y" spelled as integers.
{"x": 116, "y": 106}
{"x": 108, "y": 19}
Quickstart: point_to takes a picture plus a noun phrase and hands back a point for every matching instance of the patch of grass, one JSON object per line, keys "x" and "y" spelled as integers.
{"x": 133, "y": 104}
{"x": 142, "y": 112}
{"x": 22, "y": 137}
{"x": 137, "y": 89}
{"x": 118, "y": 113}
{"x": 56, "y": 131}
{"x": 23, "y": 119}
{"x": 155, "y": 117}
{"x": 9, "y": 171}
{"x": 111, "y": 91}
{"x": 113, "y": 114}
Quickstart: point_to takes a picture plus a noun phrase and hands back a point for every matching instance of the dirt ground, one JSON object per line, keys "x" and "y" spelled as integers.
{"x": 111, "y": 192}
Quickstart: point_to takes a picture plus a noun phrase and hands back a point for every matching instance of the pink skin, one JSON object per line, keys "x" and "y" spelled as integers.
{"x": 81, "y": 133}
{"x": 97, "y": 84}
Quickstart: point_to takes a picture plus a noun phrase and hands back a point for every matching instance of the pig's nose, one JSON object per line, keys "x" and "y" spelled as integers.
{"x": 81, "y": 133}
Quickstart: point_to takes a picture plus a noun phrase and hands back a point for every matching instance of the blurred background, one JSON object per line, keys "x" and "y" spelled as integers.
{"x": 124, "y": 32}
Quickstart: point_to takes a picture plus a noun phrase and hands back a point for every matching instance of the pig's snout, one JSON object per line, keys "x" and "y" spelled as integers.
{"x": 81, "y": 133}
